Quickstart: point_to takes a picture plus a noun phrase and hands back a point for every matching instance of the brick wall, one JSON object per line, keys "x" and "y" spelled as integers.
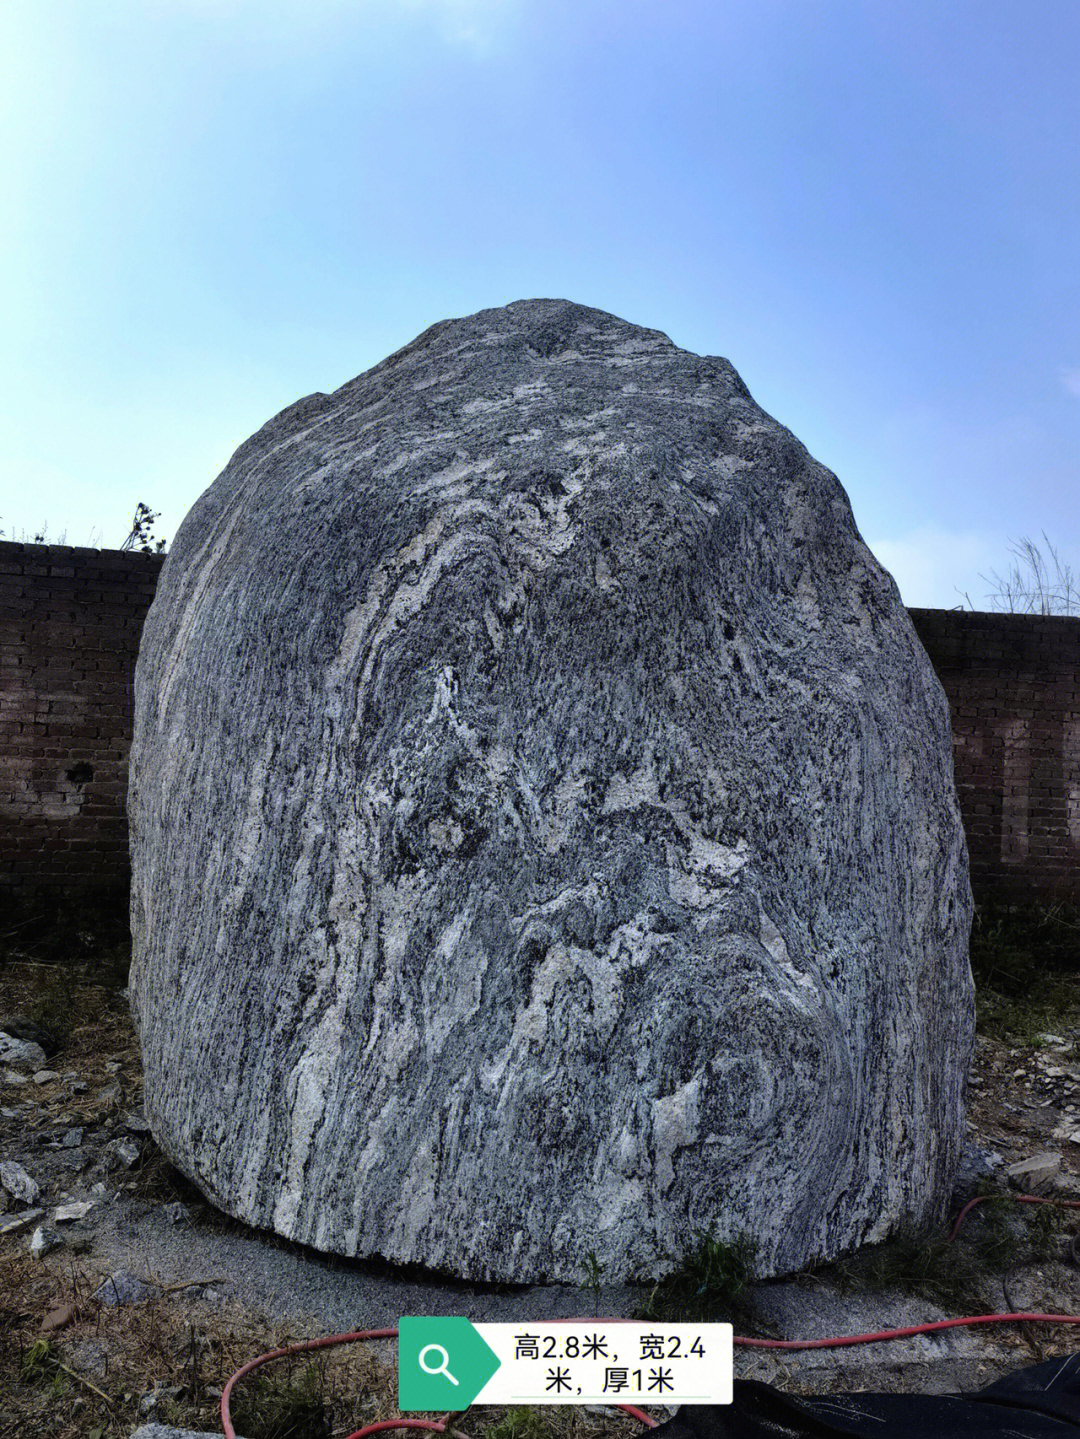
{"x": 1013, "y": 683}
{"x": 70, "y": 621}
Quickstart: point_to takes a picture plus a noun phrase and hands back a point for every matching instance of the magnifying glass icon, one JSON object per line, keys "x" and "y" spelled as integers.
{"x": 440, "y": 1368}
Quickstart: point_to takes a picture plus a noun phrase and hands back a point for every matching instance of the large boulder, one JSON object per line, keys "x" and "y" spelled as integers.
{"x": 543, "y": 826}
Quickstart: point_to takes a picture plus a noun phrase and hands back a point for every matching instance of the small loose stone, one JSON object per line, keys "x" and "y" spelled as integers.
{"x": 127, "y": 1151}
{"x": 76, "y": 1209}
{"x": 14, "y": 1178}
{"x": 21, "y": 1052}
{"x": 58, "y": 1319}
{"x": 44, "y": 1240}
{"x": 1035, "y": 1173}
{"x": 20, "y": 1221}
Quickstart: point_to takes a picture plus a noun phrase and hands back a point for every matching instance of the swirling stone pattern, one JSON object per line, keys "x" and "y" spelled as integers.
{"x": 543, "y": 825}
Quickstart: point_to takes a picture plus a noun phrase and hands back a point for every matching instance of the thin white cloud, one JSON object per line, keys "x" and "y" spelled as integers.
{"x": 934, "y": 568}
{"x": 1071, "y": 380}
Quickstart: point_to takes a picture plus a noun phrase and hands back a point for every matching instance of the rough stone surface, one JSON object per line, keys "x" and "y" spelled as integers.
{"x": 977, "y": 1164}
{"x": 170, "y": 1431}
{"x": 543, "y": 826}
{"x": 1035, "y": 1174}
{"x": 124, "y": 1288}
{"x": 23, "y": 1052}
{"x": 14, "y": 1178}
{"x": 123, "y": 1151}
{"x": 20, "y": 1221}
{"x": 88, "y": 1356}
{"x": 74, "y": 1210}
{"x": 28, "y": 1030}
{"x": 44, "y": 1240}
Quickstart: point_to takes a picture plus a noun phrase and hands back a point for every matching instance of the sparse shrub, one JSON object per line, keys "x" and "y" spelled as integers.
{"x": 523, "y": 1423}
{"x": 272, "y": 1406}
{"x": 141, "y": 536}
{"x": 1037, "y": 584}
{"x": 593, "y": 1278}
{"x": 996, "y": 1236}
{"x": 712, "y": 1283}
{"x": 1026, "y": 963}
{"x": 41, "y": 1370}
{"x": 39, "y": 537}
{"x": 54, "y": 1008}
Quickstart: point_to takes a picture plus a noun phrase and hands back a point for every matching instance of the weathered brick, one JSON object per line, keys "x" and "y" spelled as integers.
{"x": 1016, "y": 786}
{"x": 70, "y": 620}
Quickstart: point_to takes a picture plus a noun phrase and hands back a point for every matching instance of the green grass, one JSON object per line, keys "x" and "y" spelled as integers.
{"x": 594, "y": 1272}
{"x": 271, "y": 1406}
{"x": 1026, "y": 966}
{"x": 41, "y": 1370}
{"x": 54, "y": 1007}
{"x": 996, "y": 1236}
{"x": 1026, "y": 1022}
{"x": 523, "y": 1423}
{"x": 711, "y": 1283}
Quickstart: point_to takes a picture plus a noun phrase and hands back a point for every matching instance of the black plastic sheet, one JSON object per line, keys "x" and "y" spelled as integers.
{"x": 1041, "y": 1402}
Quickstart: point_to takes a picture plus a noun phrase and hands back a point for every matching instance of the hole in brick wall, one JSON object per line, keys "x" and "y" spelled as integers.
{"x": 82, "y": 773}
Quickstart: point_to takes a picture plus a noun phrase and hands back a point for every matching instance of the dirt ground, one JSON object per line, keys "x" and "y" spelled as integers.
{"x": 215, "y": 1294}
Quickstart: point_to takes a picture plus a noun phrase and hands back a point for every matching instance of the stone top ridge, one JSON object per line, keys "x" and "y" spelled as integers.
{"x": 502, "y": 338}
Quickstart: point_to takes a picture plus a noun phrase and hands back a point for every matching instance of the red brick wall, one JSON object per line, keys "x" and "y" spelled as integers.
{"x": 1013, "y": 683}
{"x": 70, "y": 621}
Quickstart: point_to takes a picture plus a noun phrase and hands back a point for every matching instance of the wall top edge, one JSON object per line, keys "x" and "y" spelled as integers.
{"x": 1007, "y": 617}
{"x": 56, "y": 554}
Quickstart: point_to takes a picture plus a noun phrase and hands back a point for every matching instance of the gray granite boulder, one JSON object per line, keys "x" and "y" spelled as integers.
{"x": 170, "y": 1431}
{"x": 543, "y": 826}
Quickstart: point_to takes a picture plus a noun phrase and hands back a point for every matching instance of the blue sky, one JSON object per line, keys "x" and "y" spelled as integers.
{"x": 214, "y": 207}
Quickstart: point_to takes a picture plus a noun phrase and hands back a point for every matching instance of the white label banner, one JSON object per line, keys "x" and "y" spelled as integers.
{"x": 600, "y": 1362}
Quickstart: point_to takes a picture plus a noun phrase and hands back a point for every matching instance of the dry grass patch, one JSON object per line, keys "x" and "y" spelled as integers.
{"x": 86, "y": 1380}
{"x": 89, "y": 1019}
{"x": 94, "y": 1373}
{"x": 186, "y": 1350}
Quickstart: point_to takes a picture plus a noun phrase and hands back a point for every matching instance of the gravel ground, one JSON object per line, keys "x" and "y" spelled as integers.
{"x": 80, "y": 1136}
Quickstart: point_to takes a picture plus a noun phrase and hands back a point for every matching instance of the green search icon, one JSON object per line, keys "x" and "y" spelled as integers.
{"x": 443, "y": 1363}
